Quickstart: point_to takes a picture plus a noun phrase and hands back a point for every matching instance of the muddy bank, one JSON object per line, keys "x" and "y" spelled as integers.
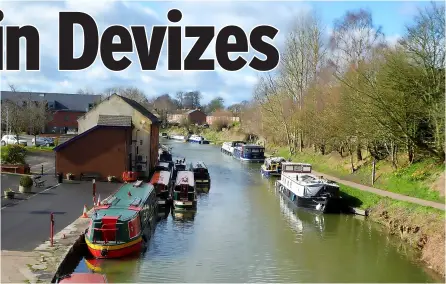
{"x": 425, "y": 231}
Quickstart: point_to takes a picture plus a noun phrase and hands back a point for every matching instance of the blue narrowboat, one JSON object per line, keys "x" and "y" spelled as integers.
{"x": 250, "y": 153}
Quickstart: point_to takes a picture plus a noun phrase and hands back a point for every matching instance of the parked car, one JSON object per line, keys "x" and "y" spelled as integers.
{"x": 42, "y": 141}
{"x": 12, "y": 139}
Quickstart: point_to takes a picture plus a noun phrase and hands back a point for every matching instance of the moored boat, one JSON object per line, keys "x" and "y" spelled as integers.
{"x": 197, "y": 139}
{"x": 123, "y": 222}
{"x": 179, "y": 165}
{"x": 305, "y": 190}
{"x": 178, "y": 137}
{"x": 249, "y": 153}
{"x": 272, "y": 166}
{"x": 161, "y": 181}
{"x": 228, "y": 147}
{"x": 201, "y": 176}
{"x": 184, "y": 192}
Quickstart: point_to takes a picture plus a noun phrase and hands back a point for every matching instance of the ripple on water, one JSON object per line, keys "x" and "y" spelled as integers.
{"x": 243, "y": 231}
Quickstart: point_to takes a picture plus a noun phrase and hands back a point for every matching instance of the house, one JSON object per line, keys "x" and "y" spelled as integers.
{"x": 225, "y": 116}
{"x": 65, "y": 108}
{"x": 194, "y": 116}
{"x": 116, "y": 135}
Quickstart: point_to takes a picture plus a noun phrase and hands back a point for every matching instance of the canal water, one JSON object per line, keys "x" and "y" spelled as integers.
{"x": 243, "y": 231}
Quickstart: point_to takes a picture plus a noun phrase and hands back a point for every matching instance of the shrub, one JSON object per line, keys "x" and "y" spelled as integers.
{"x": 14, "y": 154}
{"x": 219, "y": 124}
{"x": 26, "y": 181}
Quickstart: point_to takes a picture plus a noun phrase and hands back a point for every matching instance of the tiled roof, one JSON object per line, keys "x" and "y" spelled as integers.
{"x": 115, "y": 120}
{"x": 141, "y": 109}
{"x": 74, "y": 102}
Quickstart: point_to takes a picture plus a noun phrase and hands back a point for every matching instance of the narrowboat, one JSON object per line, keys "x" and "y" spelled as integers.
{"x": 201, "y": 175}
{"x": 305, "y": 190}
{"x": 249, "y": 153}
{"x": 197, "y": 139}
{"x": 272, "y": 166}
{"x": 184, "y": 193}
{"x": 165, "y": 155}
{"x": 228, "y": 147}
{"x": 123, "y": 222}
{"x": 179, "y": 165}
{"x": 161, "y": 182}
{"x": 164, "y": 166}
{"x": 164, "y": 135}
{"x": 82, "y": 278}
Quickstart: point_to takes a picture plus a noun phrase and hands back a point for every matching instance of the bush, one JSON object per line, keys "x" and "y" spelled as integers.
{"x": 14, "y": 154}
{"x": 26, "y": 181}
{"x": 219, "y": 124}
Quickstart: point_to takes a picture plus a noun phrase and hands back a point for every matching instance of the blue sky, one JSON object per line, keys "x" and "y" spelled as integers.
{"x": 232, "y": 86}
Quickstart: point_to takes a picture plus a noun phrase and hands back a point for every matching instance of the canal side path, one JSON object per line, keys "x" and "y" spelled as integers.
{"x": 385, "y": 193}
{"x": 26, "y": 225}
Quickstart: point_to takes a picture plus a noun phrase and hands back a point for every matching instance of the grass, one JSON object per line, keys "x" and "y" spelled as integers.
{"x": 367, "y": 200}
{"x": 35, "y": 148}
{"x": 414, "y": 180}
{"x": 215, "y": 137}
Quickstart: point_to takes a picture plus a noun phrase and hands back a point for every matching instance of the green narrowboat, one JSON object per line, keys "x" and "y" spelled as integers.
{"x": 123, "y": 222}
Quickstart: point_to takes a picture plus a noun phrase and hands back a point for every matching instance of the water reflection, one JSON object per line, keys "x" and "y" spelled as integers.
{"x": 184, "y": 216}
{"x": 116, "y": 270}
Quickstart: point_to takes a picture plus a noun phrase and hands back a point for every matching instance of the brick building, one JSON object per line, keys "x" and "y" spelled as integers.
{"x": 65, "y": 108}
{"x": 115, "y": 136}
{"x": 194, "y": 116}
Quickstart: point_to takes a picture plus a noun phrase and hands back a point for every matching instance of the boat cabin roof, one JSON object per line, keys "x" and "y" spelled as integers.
{"x": 198, "y": 165}
{"x": 163, "y": 164}
{"x": 275, "y": 160}
{"x": 161, "y": 177}
{"x": 124, "y": 203}
{"x": 252, "y": 146}
{"x": 185, "y": 177}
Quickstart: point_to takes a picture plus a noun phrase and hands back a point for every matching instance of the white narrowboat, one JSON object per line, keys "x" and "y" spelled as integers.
{"x": 184, "y": 192}
{"x": 228, "y": 147}
{"x": 198, "y": 139}
{"x": 305, "y": 190}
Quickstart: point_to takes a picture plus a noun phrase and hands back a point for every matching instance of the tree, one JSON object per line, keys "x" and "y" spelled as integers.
{"x": 191, "y": 100}
{"x": 215, "y": 104}
{"x": 129, "y": 92}
{"x": 163, "y": 105}
{"x": 38, "y": 116}
{"x": 85, "y": 91}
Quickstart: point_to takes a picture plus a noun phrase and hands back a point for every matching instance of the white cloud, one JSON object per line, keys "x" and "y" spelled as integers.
{"x": 233, "y": 86}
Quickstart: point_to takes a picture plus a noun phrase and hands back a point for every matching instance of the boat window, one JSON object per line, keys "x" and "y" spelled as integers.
{"x": 289, "y": 168}
{"x": 298, "y": 168}
{"x": 247, "y": 150}
{"x": 306, "y": 169}
{"x": 254, "y": 150}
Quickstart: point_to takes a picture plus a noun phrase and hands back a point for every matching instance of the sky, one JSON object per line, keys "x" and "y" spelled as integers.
{"x": 232, "y": 86}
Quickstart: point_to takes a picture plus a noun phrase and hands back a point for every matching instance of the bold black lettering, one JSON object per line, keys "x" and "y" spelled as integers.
{"x": 31, "y": 35}
{"x": 192, "y": 61}
{"x": 1, "y": 40}
{"x": 223, "y": 47}
{"x": 108, "y": 47}
{"x": 174, "y": 41}
{"x": 271, "y": 53}
{"x": 148, "y": 58}
{"x": 67, "y": 20}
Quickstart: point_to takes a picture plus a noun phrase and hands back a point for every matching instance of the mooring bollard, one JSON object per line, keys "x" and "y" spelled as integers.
{"x": 51, "y": 227}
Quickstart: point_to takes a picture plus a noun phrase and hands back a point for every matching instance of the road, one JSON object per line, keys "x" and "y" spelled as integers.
{"x": 26, "y": 224}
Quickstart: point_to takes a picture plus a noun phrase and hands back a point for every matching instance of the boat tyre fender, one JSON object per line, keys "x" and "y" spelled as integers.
{"x": 104, "y": 252}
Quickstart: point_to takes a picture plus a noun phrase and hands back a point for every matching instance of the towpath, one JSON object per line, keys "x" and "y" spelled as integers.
{"x": 384, "y": 192}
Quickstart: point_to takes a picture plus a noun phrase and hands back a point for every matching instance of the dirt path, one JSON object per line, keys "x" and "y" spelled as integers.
{"x": 384, "y": 192}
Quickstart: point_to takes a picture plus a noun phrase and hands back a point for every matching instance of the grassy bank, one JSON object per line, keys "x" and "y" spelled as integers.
{"x": 33, "y": 149}
{"x": 422, "y": 227}
{"x": 423, "y": 179}
{"x": 215, "y": 137}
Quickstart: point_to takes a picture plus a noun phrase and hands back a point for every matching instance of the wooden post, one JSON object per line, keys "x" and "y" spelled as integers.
{"x": 373, "y": 171}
